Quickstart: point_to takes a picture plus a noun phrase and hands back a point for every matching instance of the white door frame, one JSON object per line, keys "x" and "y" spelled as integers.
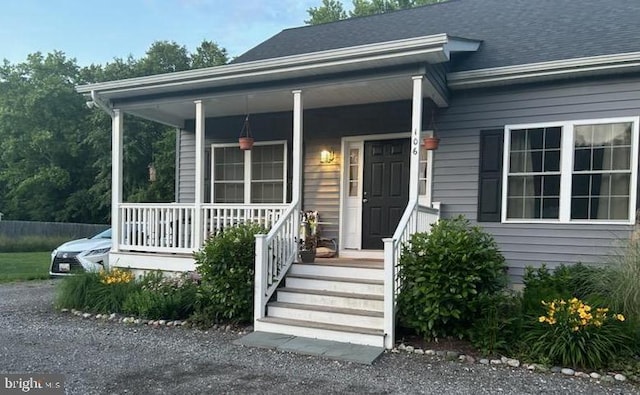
{"x": 351, "y": 244}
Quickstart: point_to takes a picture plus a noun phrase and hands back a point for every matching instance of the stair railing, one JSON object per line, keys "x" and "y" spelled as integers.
{"x": 416, "y": 218}
{"x": 275, "y": 252}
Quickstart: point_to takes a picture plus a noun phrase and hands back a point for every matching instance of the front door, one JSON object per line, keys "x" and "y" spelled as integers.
{"x": 385, "y": 191}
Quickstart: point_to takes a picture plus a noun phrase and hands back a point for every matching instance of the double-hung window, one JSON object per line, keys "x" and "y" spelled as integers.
{"x": 578, "y": 171}
{"x": 258, "y": 175}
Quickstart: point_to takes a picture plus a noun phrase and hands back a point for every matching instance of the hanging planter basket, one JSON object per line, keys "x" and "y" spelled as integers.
{"x": 246, "y": 139}
{"x": 431, "y": 143}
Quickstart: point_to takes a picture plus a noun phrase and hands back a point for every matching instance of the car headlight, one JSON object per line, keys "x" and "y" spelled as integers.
{"x": 99, "y": 251}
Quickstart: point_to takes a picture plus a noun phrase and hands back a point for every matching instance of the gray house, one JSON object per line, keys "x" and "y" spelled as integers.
{"x": 536, "y": 105}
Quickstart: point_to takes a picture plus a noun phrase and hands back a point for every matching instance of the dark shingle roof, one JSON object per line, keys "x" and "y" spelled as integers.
{"x": 513, "y": 31}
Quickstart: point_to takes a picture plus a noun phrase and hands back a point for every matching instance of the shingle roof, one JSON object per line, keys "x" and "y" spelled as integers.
{"x": 513, "y": 31}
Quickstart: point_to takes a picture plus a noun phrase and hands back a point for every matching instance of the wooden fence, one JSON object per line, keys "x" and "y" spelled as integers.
{"x": 18, "y": 229}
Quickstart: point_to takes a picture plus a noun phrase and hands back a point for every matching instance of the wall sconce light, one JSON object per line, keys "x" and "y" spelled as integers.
{"x": 327, "y": 156}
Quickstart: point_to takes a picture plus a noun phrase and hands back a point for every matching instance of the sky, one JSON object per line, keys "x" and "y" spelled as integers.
{"x": 97, "y": 31}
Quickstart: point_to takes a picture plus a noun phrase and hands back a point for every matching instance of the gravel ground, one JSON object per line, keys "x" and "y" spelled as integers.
{"x": 100, "y": 357}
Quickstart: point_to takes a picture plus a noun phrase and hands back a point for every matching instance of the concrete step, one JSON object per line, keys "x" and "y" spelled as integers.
{"x": 337, "y": 284}
{"x": 326, "y": 314}
{"x": 331, "y": 298}
{"x": 338, "y": 270}
{"x": 315, "y": 330}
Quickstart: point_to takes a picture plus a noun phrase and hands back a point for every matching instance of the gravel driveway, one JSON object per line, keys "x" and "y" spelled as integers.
{"x": 100, "y": 357}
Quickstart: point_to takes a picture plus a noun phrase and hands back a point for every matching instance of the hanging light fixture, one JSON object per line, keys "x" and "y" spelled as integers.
{"x": 246, "y": 139}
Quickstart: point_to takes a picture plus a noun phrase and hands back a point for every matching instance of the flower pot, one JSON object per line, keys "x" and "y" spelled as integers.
{"x": 308, "y": 256}
{"x": 431, "y": 143}
{"x": 246, "y": 143}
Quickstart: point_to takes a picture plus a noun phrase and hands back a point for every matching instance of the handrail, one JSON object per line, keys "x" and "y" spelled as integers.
{"x": 416, "y": 218}
{"x": 275, "y": 252}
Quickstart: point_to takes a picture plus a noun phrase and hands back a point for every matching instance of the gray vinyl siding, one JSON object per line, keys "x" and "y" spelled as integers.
{"x": 321, "y": 189}
{"x": 437, "y": 75}
{"x": 186, "y": 173}
{"x": 455, "y": 168}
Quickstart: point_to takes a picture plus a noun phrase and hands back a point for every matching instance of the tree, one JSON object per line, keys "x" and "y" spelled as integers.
{"x": 329, "y": 11}
{"x": 55, "y": 153}
{"x": 333, "y": 10}
{"x": 208, "y": 54}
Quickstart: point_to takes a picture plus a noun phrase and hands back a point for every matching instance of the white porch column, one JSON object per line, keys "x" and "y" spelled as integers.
{"x": 296, "y": 193}
{"x": 198, "y": 227}
{"x": 416, "y": 128}
{"x": 116, "y": 178}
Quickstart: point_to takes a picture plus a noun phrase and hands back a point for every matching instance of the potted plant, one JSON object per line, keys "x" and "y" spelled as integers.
{"x": 308, "y": 236}
{"x": 431, "y": 143}
{"x": 246, "y": 139}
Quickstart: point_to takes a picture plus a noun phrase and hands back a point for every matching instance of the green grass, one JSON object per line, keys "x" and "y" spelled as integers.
{"x": 20, "y": 266}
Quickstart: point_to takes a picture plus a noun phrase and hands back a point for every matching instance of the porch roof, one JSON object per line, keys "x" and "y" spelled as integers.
{"x": 354, "y": 75}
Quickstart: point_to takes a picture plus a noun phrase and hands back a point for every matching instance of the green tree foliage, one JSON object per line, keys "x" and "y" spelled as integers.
{"x": 55, "y": 153}
{"x": 333, "y": 10}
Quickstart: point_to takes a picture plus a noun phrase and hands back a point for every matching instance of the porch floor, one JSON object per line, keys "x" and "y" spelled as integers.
{"x": 316, "y": 347}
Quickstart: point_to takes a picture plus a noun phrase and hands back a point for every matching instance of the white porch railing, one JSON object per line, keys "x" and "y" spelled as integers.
{"x": 170, "y": 227}
{"x": 416, "y": 218}
{"x": 275, "y": 252}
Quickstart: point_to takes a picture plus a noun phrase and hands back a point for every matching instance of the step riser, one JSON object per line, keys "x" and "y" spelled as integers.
{"x": 337, "y": 271}
{"x": 337, "y": 286}
{"x": 325, "y": 317}
{"x": 332, "y": 301}
{"x": 323, "y": 334}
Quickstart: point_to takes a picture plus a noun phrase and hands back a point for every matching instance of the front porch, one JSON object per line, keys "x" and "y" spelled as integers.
{"x": 368, "y": 103}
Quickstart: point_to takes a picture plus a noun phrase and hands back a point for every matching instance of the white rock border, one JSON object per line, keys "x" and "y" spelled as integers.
{"x": 511, "y": 363}
{"x": 131, "y": 320}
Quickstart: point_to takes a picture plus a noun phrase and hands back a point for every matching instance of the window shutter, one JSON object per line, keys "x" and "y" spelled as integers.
{"x": 490, "y": 181}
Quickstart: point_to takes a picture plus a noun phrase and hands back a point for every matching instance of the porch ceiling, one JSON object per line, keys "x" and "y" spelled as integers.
{"x": 174, "y": 111}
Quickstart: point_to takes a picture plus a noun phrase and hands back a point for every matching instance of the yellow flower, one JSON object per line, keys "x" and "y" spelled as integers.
{"x": 619, "y": 317}
{"x": 542, "y": 318}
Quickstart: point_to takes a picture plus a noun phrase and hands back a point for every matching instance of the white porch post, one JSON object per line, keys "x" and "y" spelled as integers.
{"x": 198, "y": 227}
{"x": 116, "y": 178}
{"x": 296, "y": 193}
{"x": 416, "y": 128}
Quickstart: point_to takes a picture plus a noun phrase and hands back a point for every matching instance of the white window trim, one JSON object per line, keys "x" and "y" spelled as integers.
{"x": 566, "y": 170}
{"x": 247, "y": 169}
{"x": 426, "y": 198}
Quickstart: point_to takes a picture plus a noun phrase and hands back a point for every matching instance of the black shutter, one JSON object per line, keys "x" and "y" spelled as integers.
{"x": 490, "y": 182}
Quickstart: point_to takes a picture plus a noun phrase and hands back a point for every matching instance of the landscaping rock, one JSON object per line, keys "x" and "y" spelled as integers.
{"x": 395, "y": 350}
{"x": 409, "y": 349}
{"x": 441, "y": 353}
{"x": 462, "y": 358}
{"x": 503, "y": 359}
{"x": 607, "y": 379}
{"x": 484, "y": 361}
{"x": 470, "y": 359}
{"x": 582, "y": 375}
{"x": 567, "y": 371}
{"x": 86, "y": 315}
{"x": 620, "y": 377}
{"x": 64, "y": 310}
{"x": 430, "y": 352}
{"x": 514, "y": 363}
{"x": 402, "y": 347}
{"x": 162, "y": 322}
{"x": 495, "y": 362}
{"x": 419, "y": 351}
{"x": 595, "y": 375}
{"x": 556, "y": 369}
{"x": 177, "y": 323}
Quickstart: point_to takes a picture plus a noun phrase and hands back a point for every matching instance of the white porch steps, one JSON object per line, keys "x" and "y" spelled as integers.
{"x": 330, "y": 300}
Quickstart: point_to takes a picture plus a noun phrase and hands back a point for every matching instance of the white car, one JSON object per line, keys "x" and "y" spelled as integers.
{"x": 81, "y": 255}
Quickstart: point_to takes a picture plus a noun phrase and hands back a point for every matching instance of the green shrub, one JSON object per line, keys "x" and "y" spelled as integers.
{"x": 444, "y": 274}
{"x": 99, "y": 292}
{"x": 619, "y": 281}
{"x": 572, "y": 333}
{"x": 564, "y": 282}
{"x": 226, "y": 266}
{"x": 73, "y": 291}
{"x": 498, "y": 324}
{"x": 162, "y": 297}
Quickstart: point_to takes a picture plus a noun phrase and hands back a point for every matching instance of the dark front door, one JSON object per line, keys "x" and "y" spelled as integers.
{"x": 385, "y": 189}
